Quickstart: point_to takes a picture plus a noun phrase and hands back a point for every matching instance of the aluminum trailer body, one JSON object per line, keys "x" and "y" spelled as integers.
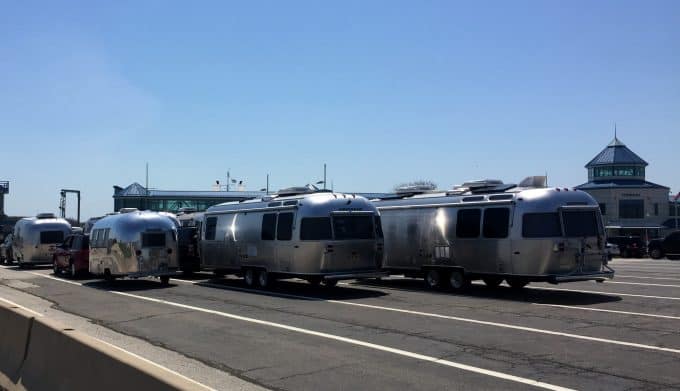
{"x": 520, "y": 235}
{"x": 36, "y": 238}
{"x": 317, "y": 236}
{"x": 134, "y": 244}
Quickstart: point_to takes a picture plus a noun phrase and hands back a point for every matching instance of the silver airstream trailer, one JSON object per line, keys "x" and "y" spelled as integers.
{"x": 134, "y": 244}
{"x": 300, "y": 232}
{"x": 494, "y": 231}
{"x": 36, "y": 238}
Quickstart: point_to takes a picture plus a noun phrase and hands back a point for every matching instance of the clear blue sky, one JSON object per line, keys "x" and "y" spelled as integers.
{"x": 382, "y": 91}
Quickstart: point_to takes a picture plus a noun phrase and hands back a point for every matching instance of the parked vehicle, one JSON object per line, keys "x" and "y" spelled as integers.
{"x": 494, "y": 231}
{"x": 301, "y": 232}
{"x": 134, "y": 244}
{"x": 629, "y": 246}
{"x": 612, "y": 250}
{"x": 667, "y": 247}
{"x": 72, "y": 256}
{"x": 188, "y": 237}
{"x": 36, "y": 238}
{"x": 6, "y": 249}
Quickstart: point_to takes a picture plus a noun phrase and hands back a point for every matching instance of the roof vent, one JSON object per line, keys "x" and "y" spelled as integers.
{"x": 414, "y": 189}
{"x": 481, "y": 186}
{"x": 46, "y": 216}
{"x": 296, "y": 190}
{"x": 538, "y": 181}
{"x": 128, "y": 210}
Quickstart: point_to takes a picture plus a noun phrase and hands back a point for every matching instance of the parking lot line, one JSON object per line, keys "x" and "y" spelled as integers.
{"x": 351, "y": 341}
{"x": 610, "y": 311}
{"x": 648, "y": 278}
{"x": 605, "y": 293}
{"x": 642, "y": 283}
{"x": 425, "y": 314}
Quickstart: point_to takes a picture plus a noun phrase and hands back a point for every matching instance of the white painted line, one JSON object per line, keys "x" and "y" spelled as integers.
{"x": 417, "y": 356}
{"x": 352, "y": 341}
{"x": 156, "y": 365}
{"x": 454, "y": 318}
{"x": 20, "y": 306}
{"x": 642, "y": 283}
{"x": 109, "y": 344}
{"x": 648, "y": 278}
{"x": 611, "y": 311}
{"x": 605, "y": 293}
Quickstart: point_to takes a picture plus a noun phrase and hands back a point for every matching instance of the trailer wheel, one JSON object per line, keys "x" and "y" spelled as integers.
{"x": 165, "y": 280}
{"x": 249, "y": 277}
{"x": 457, "y": 280}
{"x": 492, "y": 281}
{"x": 517, "y": 282}
{"x": 330, "y": 283}
{"x": 433, "y": 278}
{"x": 655, "y": 253}
{"x": 263, "y": 278}
{"x": 108, "y": 277}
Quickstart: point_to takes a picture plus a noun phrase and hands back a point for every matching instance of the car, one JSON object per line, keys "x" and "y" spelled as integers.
{"x": 629, "y": 246}
{"x": 612, "y": 250}
{"x": 666, "y": 247}
{"x": 72, "y": 256}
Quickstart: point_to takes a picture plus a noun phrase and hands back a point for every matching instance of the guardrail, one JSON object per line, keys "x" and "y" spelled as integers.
{"x": 39, "y": 354}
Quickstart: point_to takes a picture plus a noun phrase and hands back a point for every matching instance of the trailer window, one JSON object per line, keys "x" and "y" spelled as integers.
{"x": 467, "y": 223}
{"x": 153, "y": 239}
{"x": 496, "y": 222}
{"x": 580, "y": 223}
{"x": 210, "y": 228}
{"x": 353, "y": 227}
{"x": 284, "y": 229}
{"x": 541, "y": 225}
{"x": 378, "y": 227}
{"x": 315, "y": 228}
{"x": 268, "y": 226}
{"x": 51, "y": 237}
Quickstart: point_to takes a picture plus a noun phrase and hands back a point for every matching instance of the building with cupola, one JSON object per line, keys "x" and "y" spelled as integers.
{"x": 630, "y": 204}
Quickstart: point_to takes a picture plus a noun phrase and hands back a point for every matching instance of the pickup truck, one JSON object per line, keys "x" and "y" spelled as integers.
{"x": 667, "y": 247}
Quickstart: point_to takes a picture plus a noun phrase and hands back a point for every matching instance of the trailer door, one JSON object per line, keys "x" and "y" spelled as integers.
{"x": 285, "y": 249}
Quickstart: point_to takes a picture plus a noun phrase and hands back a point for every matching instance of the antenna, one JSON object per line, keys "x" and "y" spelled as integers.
{"x": 614, "y": 129}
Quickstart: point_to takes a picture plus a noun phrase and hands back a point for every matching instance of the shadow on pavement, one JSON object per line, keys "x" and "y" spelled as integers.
{"x": 292, "y": 288}
{"x": 527, "y": 294}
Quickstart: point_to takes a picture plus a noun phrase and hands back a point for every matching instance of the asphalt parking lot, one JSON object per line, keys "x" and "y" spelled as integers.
{"x": 395, "y": 334}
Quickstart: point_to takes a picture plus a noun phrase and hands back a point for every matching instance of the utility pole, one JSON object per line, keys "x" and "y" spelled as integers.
{"x": 62, "y": 202}
{"x": 267, "y": 184}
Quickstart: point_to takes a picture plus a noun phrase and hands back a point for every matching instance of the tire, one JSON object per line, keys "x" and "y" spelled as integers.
{"x": 55, "y": 268}
{"x": 330, "y": 283}
{"x": 517, "y": 282}
{"x": 492, "y": 281}
{"x": 457, "y": 280}
{"x": 263, "y": 278}
{"x": 249, "y": 277}
{"x": 165, "y": 280}
{"x": 656, "y": 253}
{"x": 108, "y": 277}
{"x": 73, "y": 272}
{"x": 433, "y": 279}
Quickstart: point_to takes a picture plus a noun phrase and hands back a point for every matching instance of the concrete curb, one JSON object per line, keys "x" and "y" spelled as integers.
{"x": 40, "y": 354}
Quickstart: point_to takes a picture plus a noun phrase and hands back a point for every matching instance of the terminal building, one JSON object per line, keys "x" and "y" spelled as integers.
{"x": 630, "y": 204}
{"x": 137, "y": 196}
